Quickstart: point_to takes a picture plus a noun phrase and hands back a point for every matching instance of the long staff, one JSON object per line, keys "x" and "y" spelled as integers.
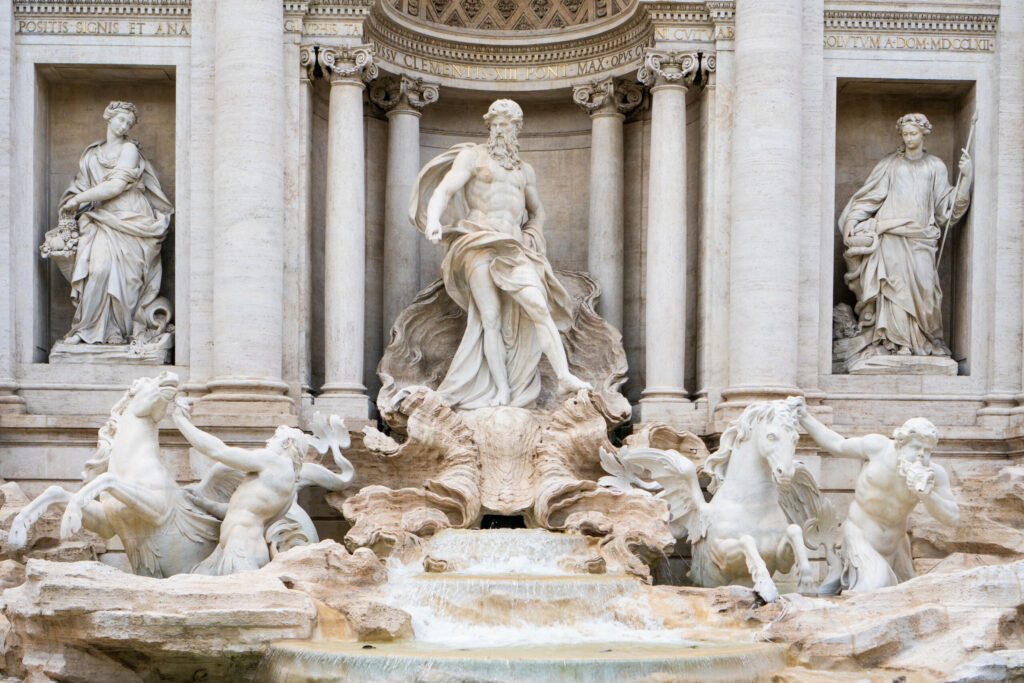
{"x": 956, "y": 191}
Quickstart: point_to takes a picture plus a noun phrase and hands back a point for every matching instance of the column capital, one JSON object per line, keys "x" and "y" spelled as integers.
{"x": 307, "y": 62}
{"x": 397, "y": 93}
{"x": 668, "y": 67}
{"x": 608, "y": 96}
{"x": 348, "y": 64}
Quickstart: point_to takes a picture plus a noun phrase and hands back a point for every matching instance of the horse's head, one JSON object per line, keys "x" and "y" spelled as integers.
{"x": 150, "y": 396}
{"x": 771, "y": 428}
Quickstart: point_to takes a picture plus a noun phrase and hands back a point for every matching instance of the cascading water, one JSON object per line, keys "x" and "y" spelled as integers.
{"x": 516, "y": 605}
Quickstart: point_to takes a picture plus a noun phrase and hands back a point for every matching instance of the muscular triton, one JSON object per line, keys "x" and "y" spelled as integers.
{"x": 897, "y": 475}
{"x": 486, "y": 208}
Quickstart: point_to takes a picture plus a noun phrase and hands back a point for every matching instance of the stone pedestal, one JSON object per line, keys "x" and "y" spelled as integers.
{"x": 607, "y": 102}
{"x": 345, "y": 243}
{"x": 402, "y": 98}
{"x": 904, "y": 365}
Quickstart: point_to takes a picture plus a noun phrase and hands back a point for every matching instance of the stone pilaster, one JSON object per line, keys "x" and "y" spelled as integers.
{"x": 307, "y": 65}
{"x": 607, "y": 102}
{"x": 345, "y": 240}
{"x": 766, "y": 206}
{"x": 10, "y": 402}
{"x": 403, "y": 99}
{"x": 669, "y": 75}
{"x": 248, "y": 179}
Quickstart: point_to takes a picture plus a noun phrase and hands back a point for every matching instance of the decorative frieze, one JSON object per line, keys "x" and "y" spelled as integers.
{"x": 143, "y": 18}
{"x": 402, "y": 92}
{"x": 609, "y": 95}
{"x": 512, "y": 15}
{"x": 348, "y": 63}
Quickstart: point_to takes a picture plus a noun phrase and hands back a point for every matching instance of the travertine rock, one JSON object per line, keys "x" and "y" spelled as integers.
{"x": 1004, "y": 665}
{"x": 991, "y": 500}
{"x": 931, "y": 624}
{"x": 328, "y": 572}
{"x": 90, "y": 622}
{"x": 376, "y": 622}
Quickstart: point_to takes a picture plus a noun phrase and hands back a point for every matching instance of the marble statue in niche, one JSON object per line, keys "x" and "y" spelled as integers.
{"x": 113, "y": 219}
{"x": 892, "y": 228}
{"x": 482, "y": 201}
{"x": 897, "y": 475}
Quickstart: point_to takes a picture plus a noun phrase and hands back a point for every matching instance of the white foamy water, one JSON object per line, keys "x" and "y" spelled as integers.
{"x": 511, "y": 551}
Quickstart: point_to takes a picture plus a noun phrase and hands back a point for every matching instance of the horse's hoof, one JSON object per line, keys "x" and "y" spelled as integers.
{"x": 70, "y": 523}
{"x": 767, "y": 590}
{"x": 17, "y": 537}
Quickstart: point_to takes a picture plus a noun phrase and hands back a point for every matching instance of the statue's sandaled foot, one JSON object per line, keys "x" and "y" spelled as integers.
{"x": 904, "y": 351}
{"x": 502, "y": 398}
{"x": 73, "y": 339}
{"x": 570, "y": 384}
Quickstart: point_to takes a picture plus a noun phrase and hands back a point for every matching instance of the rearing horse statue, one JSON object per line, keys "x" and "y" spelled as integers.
{"x": 764, "y": 501}
{"x": 129, "y": 492}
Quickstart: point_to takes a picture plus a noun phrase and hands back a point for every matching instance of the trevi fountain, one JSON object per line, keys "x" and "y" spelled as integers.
{"x": 626, "y": 341}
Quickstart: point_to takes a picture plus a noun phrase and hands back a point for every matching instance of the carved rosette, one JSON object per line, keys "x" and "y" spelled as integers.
{"x": 663, "y": 67}
{"x": 348, "y": 64}
{"x": 609, "y": 96}
{"x": 404, "y": 93}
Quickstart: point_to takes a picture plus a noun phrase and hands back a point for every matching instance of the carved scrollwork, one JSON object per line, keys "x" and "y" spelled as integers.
{"x": 402, "y": 91}
{"x": 663, "y": 67}
{"x": 608, "y": 95}
{"x": 307, "y": 60}
{"x": 348, "y": 63}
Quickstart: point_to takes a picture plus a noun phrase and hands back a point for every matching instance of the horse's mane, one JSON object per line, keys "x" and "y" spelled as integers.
{"x": 97, "y": 464}
{"x": 716, "y": 465}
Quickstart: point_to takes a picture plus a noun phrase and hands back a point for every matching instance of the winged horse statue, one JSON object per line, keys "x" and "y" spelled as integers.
{"x": 166, "y": 529}
{"x": 765, "y": 512}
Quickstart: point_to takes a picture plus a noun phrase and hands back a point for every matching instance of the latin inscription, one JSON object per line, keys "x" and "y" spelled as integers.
{"x": 681, "y": 34}
{"x": 875, "y": 41}
{"x": 478, "y": 72}
{"x": 101, "y": 27}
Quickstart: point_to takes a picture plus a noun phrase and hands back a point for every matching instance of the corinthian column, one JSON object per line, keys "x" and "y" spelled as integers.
{"x": 345, "y": 243}
{"x": 669, "y": 74}
{"x": 248, "y": 213}
{"x": 403, "y": 98}
{"x": 607, "y": 102}
{"x": 766, "y": 189}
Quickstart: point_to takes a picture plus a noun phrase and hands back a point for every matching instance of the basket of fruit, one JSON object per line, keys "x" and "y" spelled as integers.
{"x": 61, "y": 244}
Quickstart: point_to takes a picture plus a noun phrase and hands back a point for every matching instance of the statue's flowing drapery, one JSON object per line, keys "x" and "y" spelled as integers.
{"x": 515, "y": 259}
{"x": 895, "y": 278}
{"x": 117, "y": 269}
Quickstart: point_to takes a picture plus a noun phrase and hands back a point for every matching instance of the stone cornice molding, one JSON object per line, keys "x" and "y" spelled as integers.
{"x": 669, "y": 67}
{"x": 104, "y": 8}
{"x": 923, "y": 22}
{"x": 608, "y": 96}
{"x": 348, "y": 64}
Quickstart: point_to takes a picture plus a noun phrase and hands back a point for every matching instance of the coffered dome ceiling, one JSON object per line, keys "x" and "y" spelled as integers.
{"x": 511, "y": 15}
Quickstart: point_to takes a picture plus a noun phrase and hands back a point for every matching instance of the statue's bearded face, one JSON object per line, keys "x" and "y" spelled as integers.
{"x": 915, "y": 449}
{"x": 503, "y": 144}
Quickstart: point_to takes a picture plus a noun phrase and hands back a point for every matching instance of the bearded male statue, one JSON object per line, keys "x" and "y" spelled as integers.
{"x": 481, "y": 201}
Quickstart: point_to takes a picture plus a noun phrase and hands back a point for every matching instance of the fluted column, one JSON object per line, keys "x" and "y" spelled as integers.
{"x": 345, "y": 240}
{"x": 248, "y": 181}
{"x": 766, "y": 208}
{"x": 607, "y": 102}
{"x": 669, "y": 74}
{"x": 402, "y": 98}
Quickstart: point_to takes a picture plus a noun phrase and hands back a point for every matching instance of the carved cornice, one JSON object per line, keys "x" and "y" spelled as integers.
{"x": 403, "y": 93}
{"x": 608, "y": 96}
{"x": 348, "y": 64}
{"x": 319, "y": 9}
{"x": 666, "y": 67}
{"x": 922, "y": 22}
{"x": 104, "y": 8}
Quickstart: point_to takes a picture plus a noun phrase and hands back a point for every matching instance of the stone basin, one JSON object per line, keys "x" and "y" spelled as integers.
{"x": 321, "y": 661}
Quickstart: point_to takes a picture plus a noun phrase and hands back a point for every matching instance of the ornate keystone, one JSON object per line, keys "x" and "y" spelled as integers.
{"x": 608, "y": 96}
{"x": 404, "y": 92}
{"x": 348, "y": 63}
{"x": 663, "y": 67}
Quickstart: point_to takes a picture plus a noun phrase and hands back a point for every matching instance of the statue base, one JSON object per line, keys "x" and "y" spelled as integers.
{"x": 904, "y": 365}
{"x": 154, "y": 352}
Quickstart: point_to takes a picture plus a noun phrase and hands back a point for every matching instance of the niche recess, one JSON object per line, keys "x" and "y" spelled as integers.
{"x": 70, "y": 104}
{"x": 866, "y": 115}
